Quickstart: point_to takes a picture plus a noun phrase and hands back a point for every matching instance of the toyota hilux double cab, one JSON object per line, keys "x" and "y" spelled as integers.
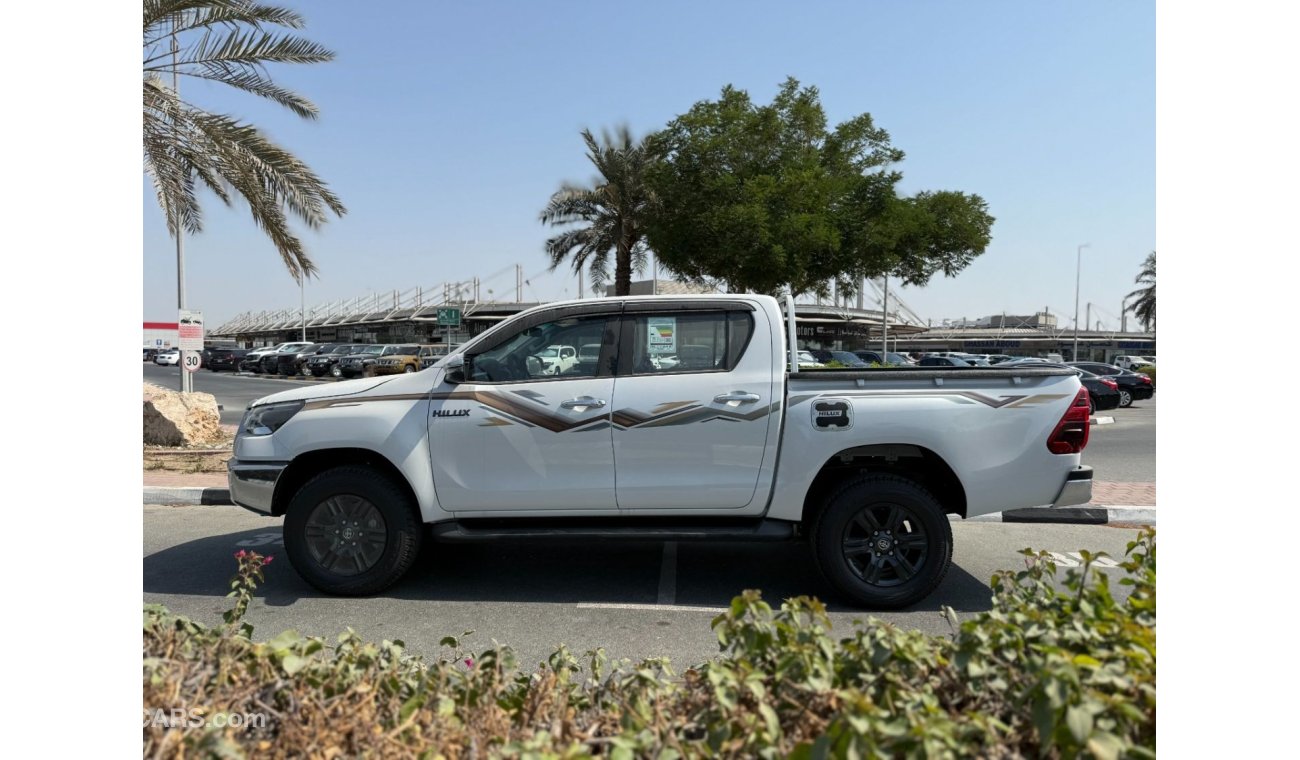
{"x": 866, "y": 465}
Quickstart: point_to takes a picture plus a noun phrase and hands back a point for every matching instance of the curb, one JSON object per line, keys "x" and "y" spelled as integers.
{"x": 1101, "y": 420}
{"x": 193, "y": 496}
{"x": 1098, "y": 515}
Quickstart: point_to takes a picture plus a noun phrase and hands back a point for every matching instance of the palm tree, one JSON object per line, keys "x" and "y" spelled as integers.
{"x": 613, "y": 211}
{"x": 187, "y": 147}
{"x": 1144, "y": 308}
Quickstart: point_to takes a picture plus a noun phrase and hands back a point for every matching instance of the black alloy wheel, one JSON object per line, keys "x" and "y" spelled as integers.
{"x": 882, "y": 540}
{"x": 346, "y": 534}
{"x": 885, "y": 544}
{"x": 352, "y": 530}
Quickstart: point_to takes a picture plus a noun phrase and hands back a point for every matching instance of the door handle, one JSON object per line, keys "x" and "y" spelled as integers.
{"x": 582, "y": 402}
{"x": 736, "y": 398}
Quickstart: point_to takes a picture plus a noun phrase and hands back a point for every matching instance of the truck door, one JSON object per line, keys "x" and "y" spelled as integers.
{"x": 694, "y": 405}
{"x": 514, "y": 436}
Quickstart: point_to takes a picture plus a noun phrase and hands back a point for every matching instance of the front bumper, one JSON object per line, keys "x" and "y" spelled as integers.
{"x": 1077, "y": 489}
{"x": 252, "y": 484}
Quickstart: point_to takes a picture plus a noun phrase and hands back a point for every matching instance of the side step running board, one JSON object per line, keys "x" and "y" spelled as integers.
{"x": 492, "y": 530}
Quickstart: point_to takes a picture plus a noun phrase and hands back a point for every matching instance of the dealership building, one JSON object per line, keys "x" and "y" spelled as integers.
{"x": 413, "y": 317}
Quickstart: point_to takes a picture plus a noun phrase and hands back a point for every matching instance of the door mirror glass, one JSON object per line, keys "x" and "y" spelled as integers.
{"x": 455, "y": 369}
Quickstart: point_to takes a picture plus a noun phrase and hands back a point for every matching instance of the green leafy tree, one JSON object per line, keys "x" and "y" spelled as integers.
{"x": 611, "y": 212}
{"x": 765, "y": 197}
{"x": 187, "y": 147}
{"x": 1144, "y": 308}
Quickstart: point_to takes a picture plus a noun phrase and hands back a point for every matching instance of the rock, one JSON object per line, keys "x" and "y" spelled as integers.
{"x": 172, "y": 419}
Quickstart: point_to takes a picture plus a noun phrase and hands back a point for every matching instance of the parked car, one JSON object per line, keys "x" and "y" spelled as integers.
{"x": 359, "y": 363}
{"x": 998, "y": 358}
{"x": 896, "y": 359}
{"x": 808, "y": 361}
{"x": 1103, "y": 393}
{"x": 557, "y": 360}
{"x": 1133, "y": 362}
{"x": 322, "y": 364}
{"x": 296, "y": 363}
{"x": 930, "y": 360}
{"x": 252, "y": 361}
{"x": 439, "y": 352}
{"x": 169, "y": 357}
{"x": 225, "y": 359}
{"x": 1133, "y": 386}
{"x": 404, "y": 360}
{"x": 150, "y": 353}
{"x": 478, "y": 449}
{"x": 271, "y": 361}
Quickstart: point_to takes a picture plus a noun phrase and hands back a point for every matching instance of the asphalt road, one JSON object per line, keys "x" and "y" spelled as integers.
{"x": 635, "y": 599}
{"x": 1125, "y": 452}
{"x": 233, "y": 392}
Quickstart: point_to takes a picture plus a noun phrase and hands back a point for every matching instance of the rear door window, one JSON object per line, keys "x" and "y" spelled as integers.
{"x": 661, "y": 343}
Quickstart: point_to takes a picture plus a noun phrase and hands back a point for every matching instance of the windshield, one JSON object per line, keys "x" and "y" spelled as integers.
{"x": 548, "y": 352}
{"x": 391, "y": 350}
{"x": 371, "y": 350}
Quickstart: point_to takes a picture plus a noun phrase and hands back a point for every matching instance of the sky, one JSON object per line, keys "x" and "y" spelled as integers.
{"x": 445, "y": 127}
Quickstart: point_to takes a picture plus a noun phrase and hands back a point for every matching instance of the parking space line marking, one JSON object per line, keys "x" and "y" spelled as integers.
{"x": 668, "y": 575}
{"x": 649, "y": 607}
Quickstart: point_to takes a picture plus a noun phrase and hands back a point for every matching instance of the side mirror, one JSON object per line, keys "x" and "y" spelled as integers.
{"x": 455, "y": 369}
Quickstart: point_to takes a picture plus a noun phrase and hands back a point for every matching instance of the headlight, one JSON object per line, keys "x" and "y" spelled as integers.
{"x": 265, "y": 420}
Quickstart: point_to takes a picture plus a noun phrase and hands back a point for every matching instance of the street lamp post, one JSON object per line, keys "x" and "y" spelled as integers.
{"x": 1078, "y": 272}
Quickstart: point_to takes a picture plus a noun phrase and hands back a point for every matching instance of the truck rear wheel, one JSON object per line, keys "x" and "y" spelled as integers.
{"x": 352, "y": 531}
{"x": 883, "y": 541}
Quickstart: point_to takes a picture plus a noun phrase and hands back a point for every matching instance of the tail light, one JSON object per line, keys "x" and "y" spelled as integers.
{"x": 1071, "y": 433}
{"x": 1110, "y": 383}
{"x": 1146, "y": 379}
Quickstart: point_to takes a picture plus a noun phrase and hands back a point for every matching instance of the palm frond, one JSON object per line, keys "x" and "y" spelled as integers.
{"x": 186, "y": 147}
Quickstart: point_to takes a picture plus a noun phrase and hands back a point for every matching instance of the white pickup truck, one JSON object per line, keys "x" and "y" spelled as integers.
{"x": 866, "y": 465}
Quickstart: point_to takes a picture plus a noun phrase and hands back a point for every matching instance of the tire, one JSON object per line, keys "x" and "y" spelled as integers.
{"x": 907, "y": 515}
{"x": 408, "y": 369}
{"x": 1092, "y": 405}
{"x": 335, "y": 371}
{"x": 1125, "y": 398}
{"x": 327, "y": 501}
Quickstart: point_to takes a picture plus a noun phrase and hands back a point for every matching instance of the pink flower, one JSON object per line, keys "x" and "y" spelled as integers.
{"x": 469, "y": 662}
{"x": 240, "y": 554}
{"x": 267, "y": 560}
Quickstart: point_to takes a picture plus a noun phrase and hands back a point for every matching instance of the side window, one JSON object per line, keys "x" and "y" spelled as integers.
{"x": 538, "y": 352}
{"x": 684, "y": 342}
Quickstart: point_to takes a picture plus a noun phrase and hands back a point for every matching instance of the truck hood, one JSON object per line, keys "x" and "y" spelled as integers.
{"x": 328, "y": 390}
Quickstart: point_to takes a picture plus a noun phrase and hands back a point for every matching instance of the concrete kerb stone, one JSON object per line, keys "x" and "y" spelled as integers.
{"x": 189, "y": 496}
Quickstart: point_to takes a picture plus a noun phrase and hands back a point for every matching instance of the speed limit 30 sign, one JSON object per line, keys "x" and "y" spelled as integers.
{"x": 191, "y": 361}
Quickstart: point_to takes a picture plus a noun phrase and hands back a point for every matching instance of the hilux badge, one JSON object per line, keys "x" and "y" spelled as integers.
{"x": 832, "y": 414}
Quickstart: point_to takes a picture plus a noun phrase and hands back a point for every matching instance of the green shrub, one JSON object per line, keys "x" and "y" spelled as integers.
{"x": 1149, "y": 370}
{"x": 1057, "y": 668}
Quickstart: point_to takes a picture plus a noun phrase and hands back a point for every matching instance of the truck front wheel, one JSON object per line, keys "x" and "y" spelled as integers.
{"x": 352, "y": 531}
{"x": 883, "y": 541}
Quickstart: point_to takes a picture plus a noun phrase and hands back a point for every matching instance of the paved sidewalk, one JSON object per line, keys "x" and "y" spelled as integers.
{"x": 162, "y": 479}
{"x": 1124, "y": 494}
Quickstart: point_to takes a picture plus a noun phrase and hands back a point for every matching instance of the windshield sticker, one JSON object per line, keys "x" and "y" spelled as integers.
{"x": 661, "y": 332}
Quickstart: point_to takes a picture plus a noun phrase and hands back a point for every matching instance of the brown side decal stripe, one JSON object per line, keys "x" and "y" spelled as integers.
{"x": 959, "y": 397}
